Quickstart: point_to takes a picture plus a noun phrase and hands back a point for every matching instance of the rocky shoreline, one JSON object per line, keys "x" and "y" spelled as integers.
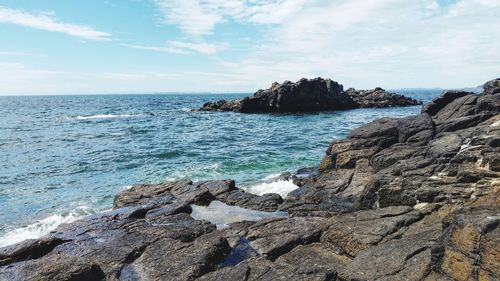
{"x": 308, "y": 95}
{"x": 416, "y": 198}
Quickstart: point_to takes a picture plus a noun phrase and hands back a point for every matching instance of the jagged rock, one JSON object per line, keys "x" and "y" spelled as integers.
{"x": 379, "y": 97}
{"x": 98, "y": 246}
{"x": 202, "y": 193}
{"x": 492, "y": 87}
{"x": 306, "y": 95}
{"x": 440, "y": 102}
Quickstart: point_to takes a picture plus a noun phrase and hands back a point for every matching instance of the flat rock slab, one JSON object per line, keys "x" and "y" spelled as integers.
{"x": 311, "y": 262}
{"x": 168, "y": 259}
{"x": 274, "y": 237}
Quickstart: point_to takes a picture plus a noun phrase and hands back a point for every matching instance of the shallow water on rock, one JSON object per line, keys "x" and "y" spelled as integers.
{"x": 222, "y": 214}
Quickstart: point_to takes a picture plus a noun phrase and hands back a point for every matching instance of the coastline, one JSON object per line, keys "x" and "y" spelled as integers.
{"x": 416, "y": 189}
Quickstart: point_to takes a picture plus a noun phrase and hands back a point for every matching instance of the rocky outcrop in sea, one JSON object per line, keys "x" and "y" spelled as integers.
{"x": 308, "y": 95}
{"x": 416, "y": 198}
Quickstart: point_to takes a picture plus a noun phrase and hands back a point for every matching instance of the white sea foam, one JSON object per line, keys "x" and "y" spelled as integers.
{"x": 281, "y": 187}
{"x": 42, "y": 227}
{"x": 195, "y": 172}
{"x": 271, "y": 177}
{"x": 106, "y": 116}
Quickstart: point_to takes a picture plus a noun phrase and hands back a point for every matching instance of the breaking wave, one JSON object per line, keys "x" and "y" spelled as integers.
{"x": 42, "y": 227}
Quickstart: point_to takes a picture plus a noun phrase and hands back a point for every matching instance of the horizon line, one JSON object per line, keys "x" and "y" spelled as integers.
{"x": 194, "y": 93}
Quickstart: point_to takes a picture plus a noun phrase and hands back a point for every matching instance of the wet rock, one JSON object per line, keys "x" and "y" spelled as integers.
{"x": 169, "y": 259}
{"x": 29, "y": 249}
{"x": 155, "y": 194}
{"x": 168, "y": 210}
{"x": 240, "y": 251}
{"x": 218, "y": 187}
{"x": 267, "y": 202}
{"x": 311, "y": 262}
{"x": 53, "y": 268}
{"x": 99, "y": 246}
{"x": 192, "y": 193}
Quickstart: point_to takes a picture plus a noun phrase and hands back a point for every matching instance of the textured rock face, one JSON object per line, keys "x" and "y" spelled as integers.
{"x": 309, "y": 95}
{"x": 379, "y": 97}
{"x": 416, "y": 198}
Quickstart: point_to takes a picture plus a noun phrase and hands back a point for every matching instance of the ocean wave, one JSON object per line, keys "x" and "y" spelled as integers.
{"x": 107, "y": 116}
{"x": 42, "y": 227}
{"x": 282, "y": 187}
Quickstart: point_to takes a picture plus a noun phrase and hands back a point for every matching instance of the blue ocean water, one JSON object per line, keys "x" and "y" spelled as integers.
{"x": 65, "y": 156}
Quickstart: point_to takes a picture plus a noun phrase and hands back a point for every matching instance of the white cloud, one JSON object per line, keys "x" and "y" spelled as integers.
{"x": 190, "y": 15}
{"x": 157, "y": 49}
{"x": 204, "y": 48}
{"x": 199, "y": 17}
{"x": 182, "y": 48}
{"x": 45, "y": 22}
{"x": 389, "y": 43}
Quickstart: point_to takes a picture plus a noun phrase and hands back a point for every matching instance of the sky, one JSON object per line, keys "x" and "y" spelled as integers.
{"x": 148, "y": 46}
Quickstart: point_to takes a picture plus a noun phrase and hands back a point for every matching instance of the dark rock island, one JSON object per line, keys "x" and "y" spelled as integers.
{"x": 308, "y": 95}
{"x": 416, "y": 198}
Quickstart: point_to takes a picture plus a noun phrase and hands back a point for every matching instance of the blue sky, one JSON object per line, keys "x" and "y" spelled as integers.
{"x": 142, "y": 46}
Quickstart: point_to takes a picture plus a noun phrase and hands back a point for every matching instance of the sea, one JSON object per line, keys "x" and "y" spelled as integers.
{"x": 64, "y": 157}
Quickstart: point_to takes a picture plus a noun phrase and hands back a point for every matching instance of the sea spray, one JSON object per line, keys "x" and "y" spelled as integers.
{"x": 42, "y": 227}
{"x": 282, "y": 187}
